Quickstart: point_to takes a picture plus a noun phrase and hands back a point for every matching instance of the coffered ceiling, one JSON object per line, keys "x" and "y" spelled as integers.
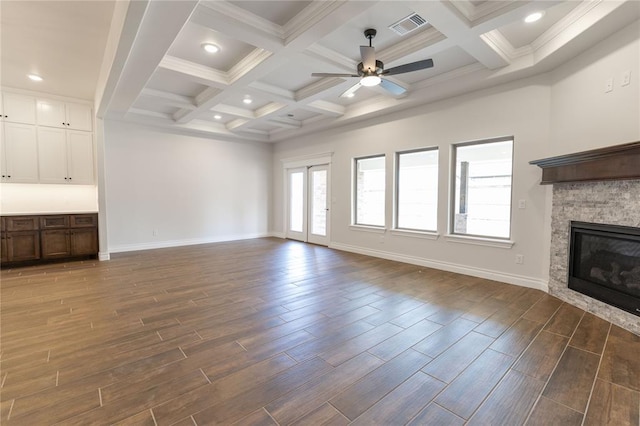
{"x": 268, "y": 50}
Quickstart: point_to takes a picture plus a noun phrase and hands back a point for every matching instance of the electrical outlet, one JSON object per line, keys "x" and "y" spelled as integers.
{"x": 522, "y": 204}
{"x": 519, "y": 259}
{"x": 608, "y": 85}
{"x": 626, "y": 78}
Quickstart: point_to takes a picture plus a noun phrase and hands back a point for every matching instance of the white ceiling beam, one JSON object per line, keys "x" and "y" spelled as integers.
{"x": 234, "y": 111}
{"x": 448, "y": 21}
{"x": 259, "y": 88}
{"x": 326, "y": 108}
{"x": 160, "y": 26}
{"x": 195, "y": 72}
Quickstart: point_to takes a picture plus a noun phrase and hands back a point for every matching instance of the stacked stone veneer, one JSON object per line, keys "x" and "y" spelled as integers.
{"x": 612, "y": 203}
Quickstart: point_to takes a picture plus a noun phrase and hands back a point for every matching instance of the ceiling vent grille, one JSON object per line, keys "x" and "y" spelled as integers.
{"x": 408, "y": 24}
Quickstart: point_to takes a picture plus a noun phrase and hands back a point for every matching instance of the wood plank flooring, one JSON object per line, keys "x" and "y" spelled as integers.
{"x": 276, "y": 332}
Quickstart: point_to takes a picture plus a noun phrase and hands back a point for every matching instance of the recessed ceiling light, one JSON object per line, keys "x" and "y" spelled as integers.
{"x": 217, "y": 116}
{"x": 247, "y": 99}
{"x": 351, "y": 95}
{"x": 210, "y": 47}
{"x": 533, "y": 17}
{"x": 34, "y": 77}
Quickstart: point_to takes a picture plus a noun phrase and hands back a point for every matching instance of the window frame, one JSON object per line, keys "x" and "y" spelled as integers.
{"x": 355, "y": 191}
{"x": 452, "y": 192}
{"x": 396, "y": 195}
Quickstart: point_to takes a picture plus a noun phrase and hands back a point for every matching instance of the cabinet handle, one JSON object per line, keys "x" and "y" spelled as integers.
{"x": 69, "y": 178}
{"x": 9, "y": 176}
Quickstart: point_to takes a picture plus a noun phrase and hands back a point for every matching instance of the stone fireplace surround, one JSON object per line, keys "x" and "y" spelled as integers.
{"x": 579, "y": 195}
{"x": 612, "y": 202}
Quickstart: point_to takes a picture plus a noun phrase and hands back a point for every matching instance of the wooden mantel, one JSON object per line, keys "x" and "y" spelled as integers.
{"x": 611, "y": 163}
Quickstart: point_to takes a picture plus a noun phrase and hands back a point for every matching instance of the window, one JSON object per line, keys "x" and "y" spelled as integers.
{"x": 482, "y": 198}
{"x": 417, "y": 190}
{"x": 369, "y": 191}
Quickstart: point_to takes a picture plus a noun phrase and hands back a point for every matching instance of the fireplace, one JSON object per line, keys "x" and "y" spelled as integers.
{"x": 604, "y": 263}
{"x": 595, "y": 187}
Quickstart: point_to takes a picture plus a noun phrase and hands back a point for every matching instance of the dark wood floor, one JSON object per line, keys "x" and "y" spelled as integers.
{"x": 266, "y": 332}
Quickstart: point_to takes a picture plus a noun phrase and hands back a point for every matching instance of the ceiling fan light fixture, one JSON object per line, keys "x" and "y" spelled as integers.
{"x": 533, "y": 17}
{"x": 210, "y": 48}
{"x": 370, "y": 80}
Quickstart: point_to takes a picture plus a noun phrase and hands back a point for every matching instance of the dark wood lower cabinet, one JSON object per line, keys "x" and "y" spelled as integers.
{"x": 23, "y": 246}
{"x": 55, "y": 244}
{"x": 84, "y": 241}
{"x": 48, "y": 237}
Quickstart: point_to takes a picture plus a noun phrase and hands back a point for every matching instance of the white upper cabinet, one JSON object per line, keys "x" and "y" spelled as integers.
{"x": 65, "y": 156}
{"x": 64, "y": 115}
{"x": 19, "y": 150}
{"x": 18, "y": 108}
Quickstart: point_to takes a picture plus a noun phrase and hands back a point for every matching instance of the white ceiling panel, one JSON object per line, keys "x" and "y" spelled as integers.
{"x": 61, "y": 41}
{"x": 173, "y": 82}
{"x": 278, "y": 12}
{"x": 188, "y": 46}
{"x": 521, "y": 34}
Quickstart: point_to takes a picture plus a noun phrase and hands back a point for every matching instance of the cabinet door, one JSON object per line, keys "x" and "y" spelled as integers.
{"x": 79, "y": 117}
{"x": 21, "y": 153}
{"x": 18, "y": 108}
{"x": 51, "y": 113}
{"x": 84, "y": 242}
{"x": 3, "y": 155}
{"x": 52, "y": 155}
{"x": 55, "y": 244}
{"x": 4, "y": 256}
{"x": 23, "y": 246}
{"x": 80, "y": 157}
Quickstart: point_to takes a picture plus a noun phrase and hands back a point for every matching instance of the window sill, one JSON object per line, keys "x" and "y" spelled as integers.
{"x": 427, "y": 235}
{"x": 368, "y": 228}
{"x": 479, "y": 241}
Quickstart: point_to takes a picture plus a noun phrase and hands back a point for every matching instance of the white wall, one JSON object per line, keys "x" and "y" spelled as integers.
{"x": 520, "y": 110}
{"x": 561, "y": 112}
{"x": 190, "y": 189}
{"x": 583, "y": 116}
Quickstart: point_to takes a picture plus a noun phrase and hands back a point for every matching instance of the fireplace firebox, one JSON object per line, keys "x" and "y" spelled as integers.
{"x": 604, "y": 263}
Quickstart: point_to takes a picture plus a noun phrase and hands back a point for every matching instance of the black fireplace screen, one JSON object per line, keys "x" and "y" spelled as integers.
{"x": 604, "y": 263}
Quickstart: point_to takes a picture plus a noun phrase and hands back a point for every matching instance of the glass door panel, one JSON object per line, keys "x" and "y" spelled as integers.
{"x": 296, "y": 228}
{"x": 319, "y": 207}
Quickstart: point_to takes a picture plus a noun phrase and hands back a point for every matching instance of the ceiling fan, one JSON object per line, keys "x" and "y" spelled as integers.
{"x": 371, "y": 71}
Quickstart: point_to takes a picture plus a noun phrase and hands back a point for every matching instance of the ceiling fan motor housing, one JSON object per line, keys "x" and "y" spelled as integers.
{"x": 379, "y": 68}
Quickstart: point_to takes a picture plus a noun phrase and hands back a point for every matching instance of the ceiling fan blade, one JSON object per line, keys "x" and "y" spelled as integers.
{"x": 330, "y": 74}
{"x": 393, "y": 88}
{"x": 368, "y": 55}
{"x": 413, "y": 66}
{"x": 351, "y": 90}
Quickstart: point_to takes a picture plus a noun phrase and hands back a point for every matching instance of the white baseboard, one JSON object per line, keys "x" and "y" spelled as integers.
{"x": 178, "y": 243}
{"x": 104, "y": 256}
{"x": 278, "y": 235}
{"x": 521, "y": 280}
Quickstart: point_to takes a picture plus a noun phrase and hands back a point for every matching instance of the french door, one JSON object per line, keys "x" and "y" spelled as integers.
{"x": 308, "y": 204}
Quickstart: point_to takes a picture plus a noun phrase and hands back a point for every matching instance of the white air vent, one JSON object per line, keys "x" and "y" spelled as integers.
{"x": 408, "y": 24}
